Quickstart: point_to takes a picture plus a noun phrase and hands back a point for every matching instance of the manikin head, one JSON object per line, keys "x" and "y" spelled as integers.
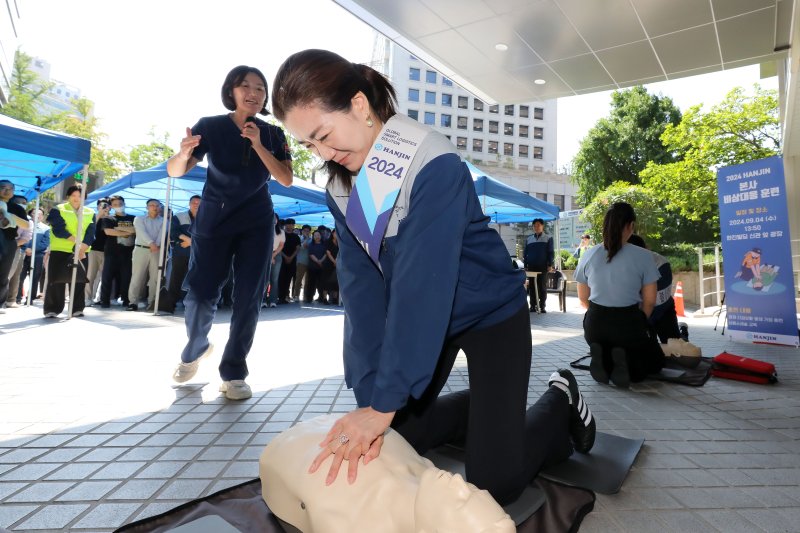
{"x": 399, "y": 491}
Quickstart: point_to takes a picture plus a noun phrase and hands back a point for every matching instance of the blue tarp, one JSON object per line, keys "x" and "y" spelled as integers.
{"x": 503, "y": 203}
{"x": 138, "y": 186}
{"x": 36, "y": 159}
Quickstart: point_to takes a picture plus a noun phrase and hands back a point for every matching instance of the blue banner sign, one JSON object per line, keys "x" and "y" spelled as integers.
{"x": 754, "y": 223}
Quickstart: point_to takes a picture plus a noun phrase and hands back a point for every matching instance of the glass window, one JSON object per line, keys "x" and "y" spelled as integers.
{"x": 508, "y": 128}
{"x": 558, "y": 200}
{"x": 493, "y": 126}
{"x": 508, "y": 148}
{"x": 430, "y": 76}
{"x": 538, "y": 113}
{"x": 447, "y": 82}
{"x": 523, "y": 111}
{"x": 541, "y": 196}
{"x": 413, "y": 74}
{"x": 524, "y": 167}
{"x": 413, "y": 95}
{"x": 494, "y": 109}
{"x": 477, "y": 145}
{"x": 430, "y": 97}
{"x": 477, "y": 124}
{"x": 538, "y": 133}
{"x": 523, "y": 150}
{"x": 445, "y": 120}
{"x": 538, "y": 169}
{"x": 477, "y": 105}
{"x": 413, "y": 113}
{"x": 430, "y": 118}
{"x": 492, "y": 147}
{"x": 538, "y": 152}
{"x": 509, "y": 110}
{"x": 523, "y": 130}
{"x": 462, "y": 123}
{"x": 463, "y": 102}
{"x": 447, "y": 100}
{"x": 461, "y": 143}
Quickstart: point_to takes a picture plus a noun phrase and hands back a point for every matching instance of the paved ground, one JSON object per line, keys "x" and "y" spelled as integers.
{"x": 93, "y": 434}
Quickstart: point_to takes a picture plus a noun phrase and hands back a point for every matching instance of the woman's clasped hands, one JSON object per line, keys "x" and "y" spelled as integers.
{"x": 357, "y": 434}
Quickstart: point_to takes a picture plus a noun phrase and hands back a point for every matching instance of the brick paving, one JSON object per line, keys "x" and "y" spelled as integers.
{"x": 93, "y": 433}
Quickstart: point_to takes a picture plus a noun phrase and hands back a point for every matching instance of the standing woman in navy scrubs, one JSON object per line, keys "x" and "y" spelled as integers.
{"x": 235, "y": 222}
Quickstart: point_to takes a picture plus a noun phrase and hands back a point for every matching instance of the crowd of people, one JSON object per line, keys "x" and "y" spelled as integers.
{"x": 119, "y": 256}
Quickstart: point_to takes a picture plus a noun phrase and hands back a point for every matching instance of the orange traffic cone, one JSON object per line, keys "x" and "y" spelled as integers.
{"x": 678, "y": 297}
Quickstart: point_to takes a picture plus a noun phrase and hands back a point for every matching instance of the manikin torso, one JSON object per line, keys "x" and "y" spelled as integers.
{"x": 400, "y": 491}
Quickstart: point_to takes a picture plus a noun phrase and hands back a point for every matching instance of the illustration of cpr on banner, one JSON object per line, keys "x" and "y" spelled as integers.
{"x": 756, "y": 247}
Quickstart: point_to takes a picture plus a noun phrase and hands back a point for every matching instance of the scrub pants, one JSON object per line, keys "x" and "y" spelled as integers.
{"x": 506, "y": 444}
{"x": 250, "y": 251}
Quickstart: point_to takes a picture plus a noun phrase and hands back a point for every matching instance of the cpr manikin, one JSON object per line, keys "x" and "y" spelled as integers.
{"x": 400, "y": 491}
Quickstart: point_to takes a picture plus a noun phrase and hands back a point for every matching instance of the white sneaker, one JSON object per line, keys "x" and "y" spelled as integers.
{"x": 77, "y": 314}
{"x": 236, "y": 389}
{"x": 51, "y": 315}
{"x": 273, "y": 304}
{"x": 186, "y": 371}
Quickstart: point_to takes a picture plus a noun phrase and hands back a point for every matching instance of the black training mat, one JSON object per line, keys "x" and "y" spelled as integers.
{"x": 241, "y": 509}
{"x": 672, "y": 371}
{"x": 452, "y": 459}
{"x": 603, "y": 469}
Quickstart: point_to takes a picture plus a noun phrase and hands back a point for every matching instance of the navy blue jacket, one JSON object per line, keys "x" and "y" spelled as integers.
{"x": 443, "y": 272}
{"x": 539, "y": 253}
{"x": 181, "y": 225}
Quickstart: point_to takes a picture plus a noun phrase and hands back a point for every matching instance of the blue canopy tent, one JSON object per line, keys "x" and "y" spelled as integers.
{"x": 136, "y": 187}
{"x": 503, "y": 203}
{"x": 35, "y": 159}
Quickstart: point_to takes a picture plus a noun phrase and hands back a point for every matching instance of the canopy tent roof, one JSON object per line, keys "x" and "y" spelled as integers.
{"x": 503, "y": 203}
{"x": 36, "y": 159}
{"x": 140, "y": 185}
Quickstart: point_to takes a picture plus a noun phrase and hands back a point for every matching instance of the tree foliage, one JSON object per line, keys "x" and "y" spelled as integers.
{"x": 143, "y": 156}
{"x": 741, "y": 128}
{"x": 26, "y": 92}
{"x": 649, "y": 216}
{"x": 619, "y": 146}
{"x": 304, "y": 163}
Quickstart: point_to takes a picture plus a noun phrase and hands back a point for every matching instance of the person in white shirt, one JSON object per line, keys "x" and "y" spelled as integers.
{"x": 145, "y": 255}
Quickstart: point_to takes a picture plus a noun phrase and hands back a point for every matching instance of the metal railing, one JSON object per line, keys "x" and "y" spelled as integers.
{"x": 717, "y": 277}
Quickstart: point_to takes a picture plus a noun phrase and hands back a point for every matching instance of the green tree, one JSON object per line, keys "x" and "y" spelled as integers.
{"x": 304, "y": 163}
{"x": 148, "y": 155}
{"x": 25, "y": 93}
{"x": 741, "y": 128}
{"x": 649, "y": 216}
{"x": 619, "y": 146}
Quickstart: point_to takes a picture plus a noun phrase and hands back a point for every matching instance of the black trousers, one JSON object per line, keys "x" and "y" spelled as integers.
{"x": 313, "y": 284}
{"x": 506, "y": 444}
{"x": 180, "y": 266}
{"x": 624, "y": 327}
{"x": 285, "y": 278}
{"x": 8, "y": 250}
{"x": 59, "y": 270}
{"x": 541, "y": 284}
{"x": 36, "y": 274}
{"x": 666, "y": 326}
{"x": 116, "y": 267}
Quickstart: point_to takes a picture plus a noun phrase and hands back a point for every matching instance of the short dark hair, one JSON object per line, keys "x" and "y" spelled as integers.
{"x": 539, "y": 220}
{"x": 72, "y": 188}
{"x": 637, "y": 240}
{"x": 289, "y": 221}
{"x": 235, "y": 78}
{"x": 104, "y": 199}
{"x": 306, "y": 226}
{"x": 116, "y": 197}
{"x": 152, "y": 200}
{"x": 195, "y": 196}
{"x": 18, "y": 196}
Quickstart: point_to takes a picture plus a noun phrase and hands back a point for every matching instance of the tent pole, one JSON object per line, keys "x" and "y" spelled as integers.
{"x": 558, "y": 244}
{"x": 32, "y": 267}
{"x": 162, "y": 253}
{"x": 78, "y": 240}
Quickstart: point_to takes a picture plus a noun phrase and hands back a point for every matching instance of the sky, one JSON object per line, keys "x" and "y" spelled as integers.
{"x": 159, "y": 64}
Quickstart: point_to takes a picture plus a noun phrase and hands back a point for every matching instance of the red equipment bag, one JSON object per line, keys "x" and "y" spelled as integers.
{"x": 730, "y": 366}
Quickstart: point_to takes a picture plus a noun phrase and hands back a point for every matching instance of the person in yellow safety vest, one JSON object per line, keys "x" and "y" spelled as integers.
{"x": 63, "y": 221}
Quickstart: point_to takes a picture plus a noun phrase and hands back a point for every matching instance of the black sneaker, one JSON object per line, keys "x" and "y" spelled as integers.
{"x": 132, "y": 307}
{"x": 619, "y": 374}
{"x": 596, "y": 367}
{"x": 582, "y": 427}
{"x": 683, "y": 328}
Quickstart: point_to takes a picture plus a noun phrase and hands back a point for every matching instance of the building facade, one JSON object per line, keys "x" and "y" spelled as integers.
{"x": 9, "y": 41}
{"x": 60, "y": 96}
{"x": 512, "y": 136}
